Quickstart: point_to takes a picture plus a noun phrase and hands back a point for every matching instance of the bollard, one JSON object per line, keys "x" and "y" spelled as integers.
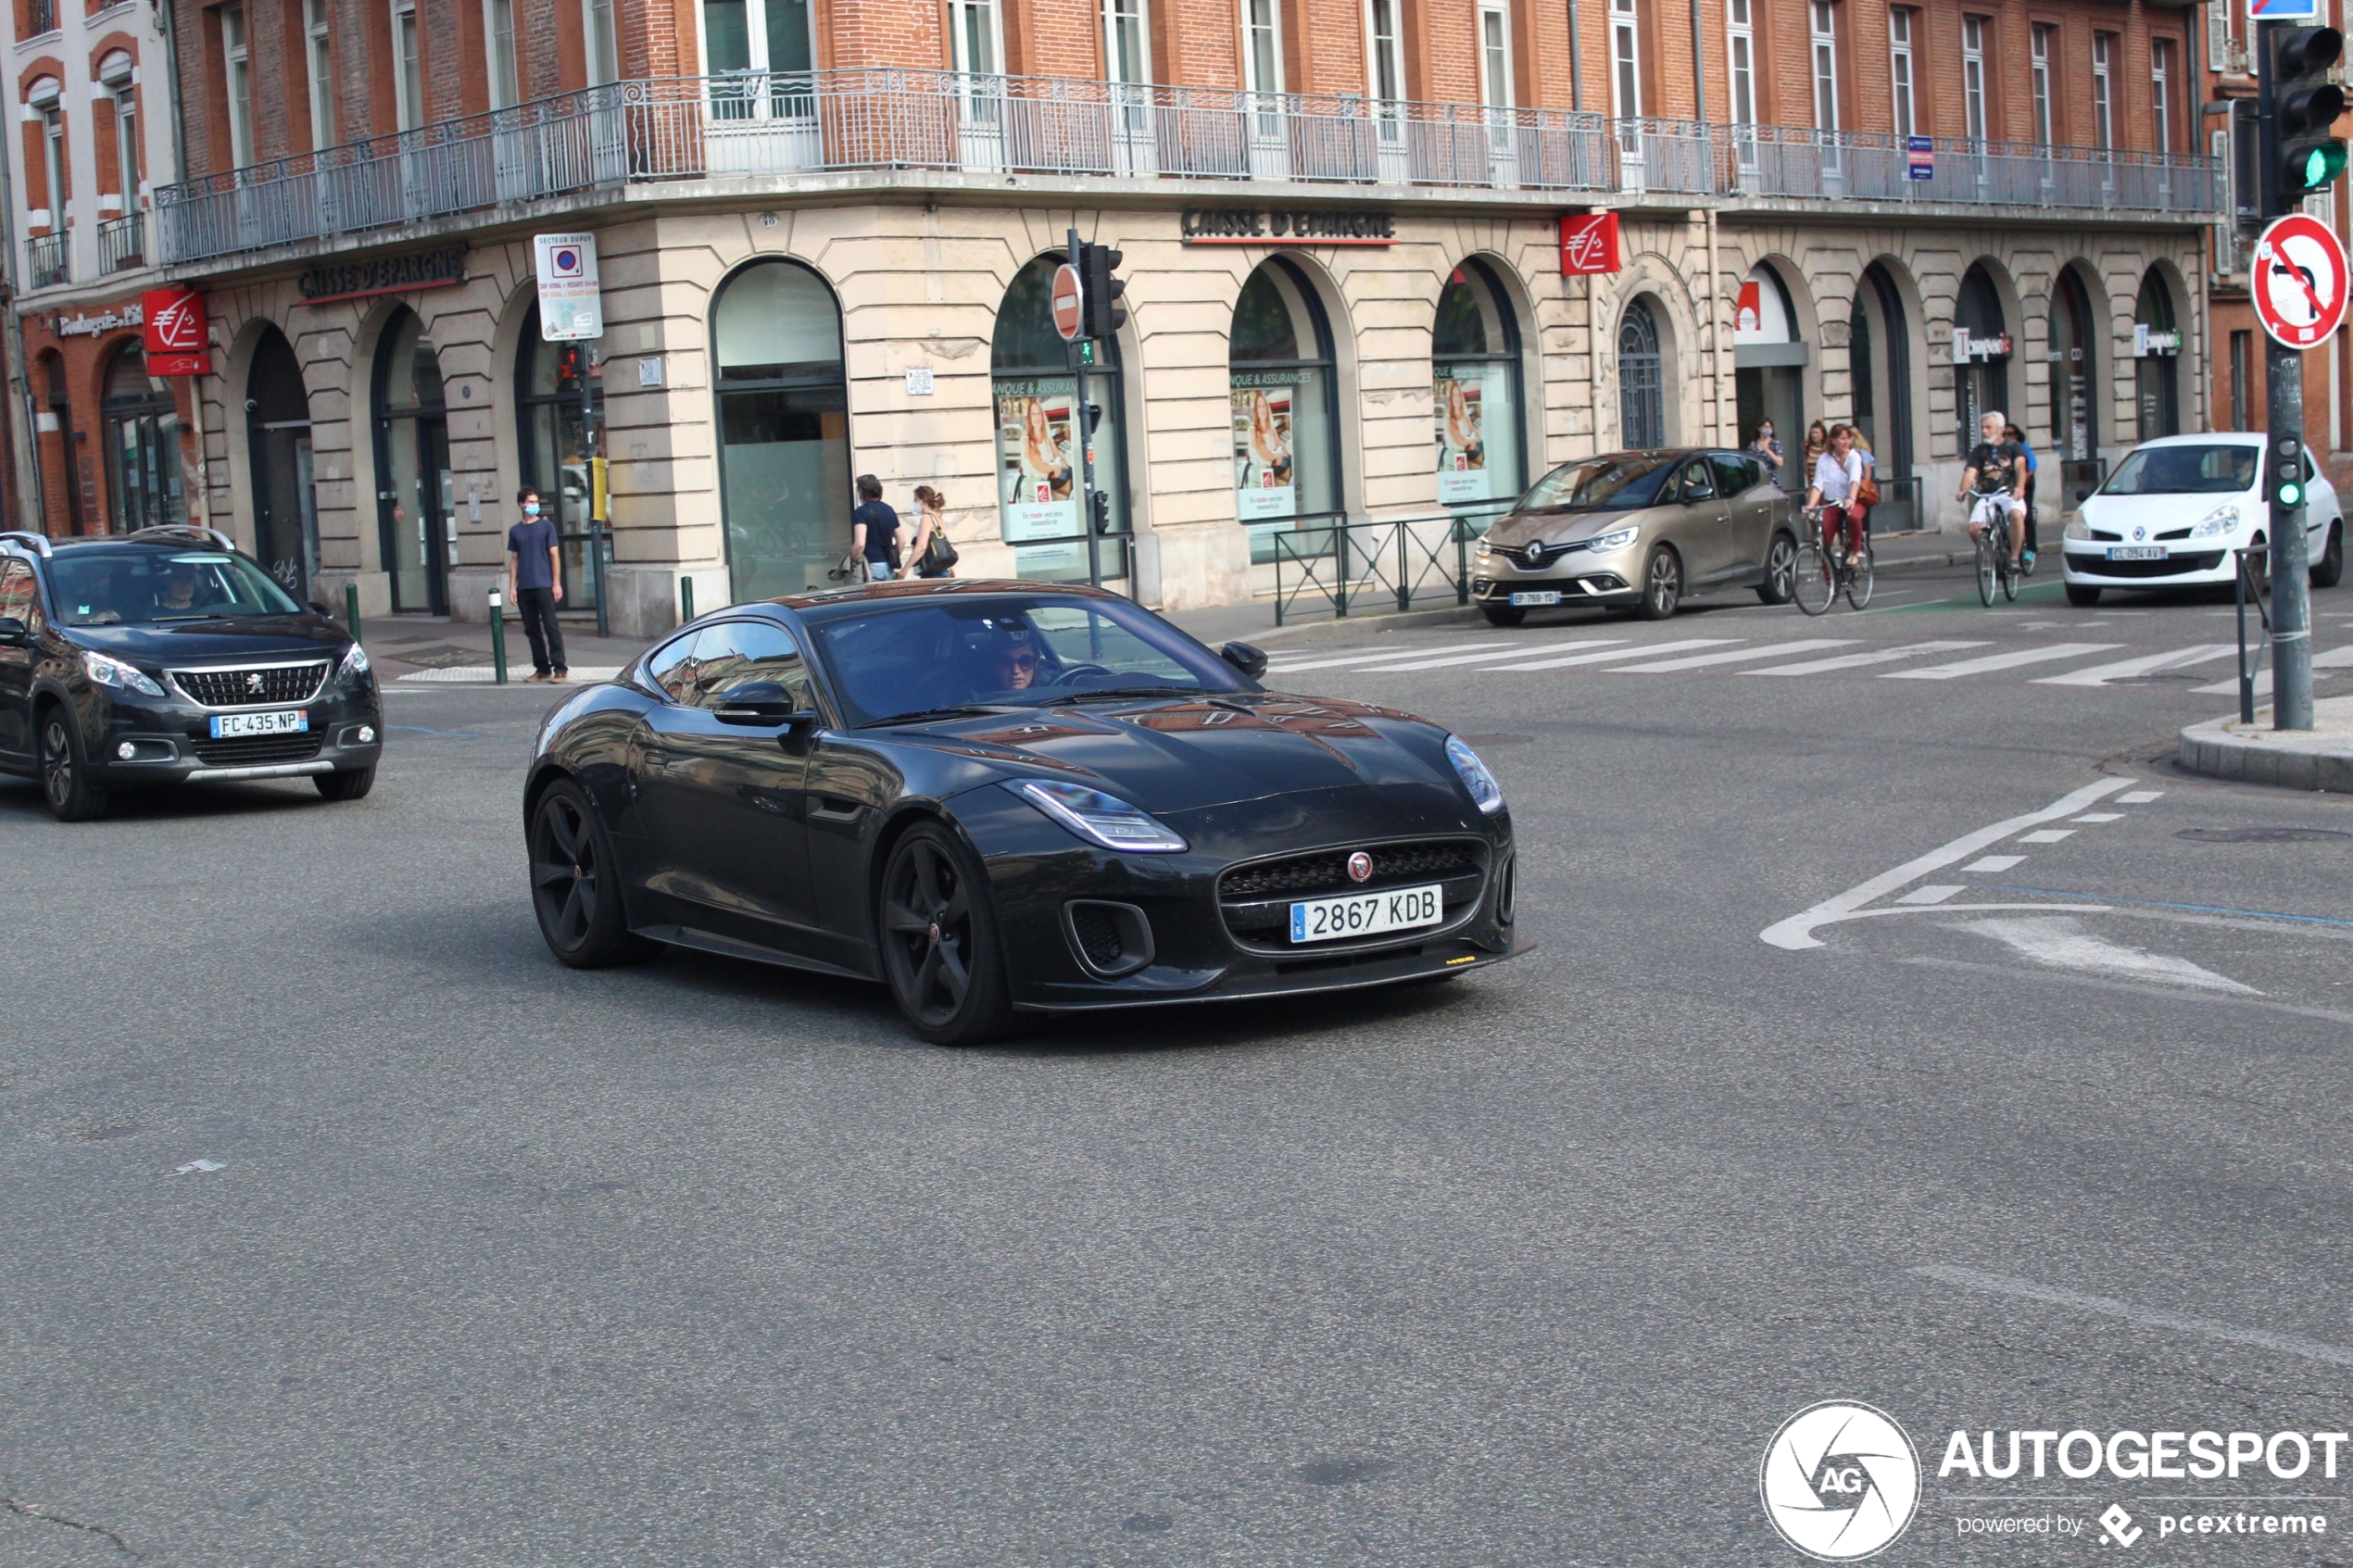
{"x": 351, "y": 609}
{"x": 685, "y": 599}
{"x": 497, "y": 637}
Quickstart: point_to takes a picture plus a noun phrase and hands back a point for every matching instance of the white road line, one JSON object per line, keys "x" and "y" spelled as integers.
{"x": 2148, "y": 664}
{"x": 1609, "y": 654}
{"x": 1935, "y": 893}
{"x": 1995, "y": 863}
{"x": 2048, "y": 836}
{"x": 2138, "y": 797}
{"x": 2098, "y": 817}
{"x": 1992, "y": 661}
{"x": 1797, "y": 932}
{"x": 2060, "y": 942}
{"x": 1805, "y": 644}
{"x": 1360, "y": 657}
{"x": 1858, "y": 660}
{"x": 2108, "y": 1307}
{"x": 2335, "y": 658}
{"x": 1617, "y": 645}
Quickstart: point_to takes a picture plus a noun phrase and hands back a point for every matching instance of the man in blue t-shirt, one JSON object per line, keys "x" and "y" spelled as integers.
{"x": 873, "y": 533}
{"x": 534, "y": 584}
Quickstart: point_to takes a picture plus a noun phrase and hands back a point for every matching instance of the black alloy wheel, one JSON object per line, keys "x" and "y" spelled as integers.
{"x": 65, "y": 776}
{"x": 575, "y": 885}
{"x": 2083, "y": 595}
{"x": 1504, "y": 614}
{"x": 1662, "y": 584}
{"x": 1781, "y": 571}
{"x": 2329, "y": 570}
{"x": 939, "y": 941}
{"x": 350, "y": 785}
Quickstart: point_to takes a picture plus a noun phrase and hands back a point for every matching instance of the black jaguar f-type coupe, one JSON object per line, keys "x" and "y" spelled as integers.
{"x": 1004, "y": 797}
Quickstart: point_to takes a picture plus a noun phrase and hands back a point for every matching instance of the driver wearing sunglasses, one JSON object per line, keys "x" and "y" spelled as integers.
{"x": 1016, "y": 666}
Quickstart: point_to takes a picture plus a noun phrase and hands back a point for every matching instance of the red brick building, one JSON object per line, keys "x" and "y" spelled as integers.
{"x": 823, "y": 231}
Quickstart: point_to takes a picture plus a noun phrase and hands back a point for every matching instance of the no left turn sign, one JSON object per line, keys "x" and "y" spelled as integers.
{"x": 2298, "y": 281}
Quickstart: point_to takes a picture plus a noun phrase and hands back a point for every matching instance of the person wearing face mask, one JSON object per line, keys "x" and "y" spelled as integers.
{"x": 535, "y": 585}
{"x": 1767, "y": 445}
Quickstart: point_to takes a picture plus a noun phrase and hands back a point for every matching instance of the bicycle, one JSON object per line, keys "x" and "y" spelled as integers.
{"x": 1995, "y": 567}
{"x": 1820, "y": 576}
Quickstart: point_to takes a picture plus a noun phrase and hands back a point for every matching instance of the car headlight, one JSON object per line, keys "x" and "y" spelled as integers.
{"x": 2222, "y": 519}
{"x": 1616, "y": 540}
{"x": 1484, "y": 791}
{"x": 1099, "y": 817}
{"x": 122, "y": 677}
{"x": 2077, "y": 528}
{"x": 354, "y": 663}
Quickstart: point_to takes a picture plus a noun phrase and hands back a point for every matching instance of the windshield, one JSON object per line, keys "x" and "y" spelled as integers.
{"x": 141, "y": 587}
{"x": 2218, "y": 469}
{"x": 890, "y": 659}
{"x": 1599, "y": 484}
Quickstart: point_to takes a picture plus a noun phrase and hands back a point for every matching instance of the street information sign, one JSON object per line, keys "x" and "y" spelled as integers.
{"x": 2283, "y": 10}
{"x": 572, "y": 304}
{"x": 2299, "y": 281}
{"x": 1070, "y": 314}
{"x": 1589, "y": 243}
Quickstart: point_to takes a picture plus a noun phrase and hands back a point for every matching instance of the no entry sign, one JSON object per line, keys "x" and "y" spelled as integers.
{"x": 1069, "y": 302}
{"x": 2299, "y": 281}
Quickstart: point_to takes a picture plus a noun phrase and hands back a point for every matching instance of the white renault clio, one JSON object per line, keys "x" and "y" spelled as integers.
{"x": 2176, "y": 510}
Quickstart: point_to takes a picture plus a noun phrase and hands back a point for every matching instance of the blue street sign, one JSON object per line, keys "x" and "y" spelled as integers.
{"x": 2283, "y": 10}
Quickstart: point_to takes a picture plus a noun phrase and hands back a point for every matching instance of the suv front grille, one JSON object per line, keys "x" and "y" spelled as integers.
{"x": 258, "y": 686}
{"x": 250, "y": 751}
{"x": 1254, "y": 899}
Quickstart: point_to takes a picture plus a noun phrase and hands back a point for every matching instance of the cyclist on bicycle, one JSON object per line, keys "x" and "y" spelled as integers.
{"x": 1837, "y": 474}
{"x": 1997, "y": 466}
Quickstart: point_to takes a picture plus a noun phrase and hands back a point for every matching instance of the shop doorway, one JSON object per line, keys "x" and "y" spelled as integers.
{"x": 549, "y": 440}
{"x": 1284, "y": 412}
{"x": 140, "y": 422}
{"x": 1641, "y": 378}
{"x": 1476, "y": 395}
{"x": 416, "y": 510}
{"x": 2074, "y": 435}
{"x": 1879, "y": 357}
{"x": 1981, "y": 357}
{"x": 2156, "y": 349}
{"x": 285, "y": 513}
{"x": 1768, "y": 375}
{"x": 784, "y": 429}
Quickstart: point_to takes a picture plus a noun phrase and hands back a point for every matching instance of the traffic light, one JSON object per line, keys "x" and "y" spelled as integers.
{"x": 2306, "y": 153}
{"x": 1099, "y": 504}
{"x": 1099, "y": 266}
{"x": 2287, "y": 473}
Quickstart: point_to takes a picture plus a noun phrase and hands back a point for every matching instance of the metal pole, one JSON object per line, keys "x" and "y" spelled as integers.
{"x": 351, "y": 609}
{"x": 2289, "y": 561}
{"x": 599, "y": 539}
{"x": 686, "y": 600}
{"x": 1086, "y": 439}
{"x": 497, "y": 637}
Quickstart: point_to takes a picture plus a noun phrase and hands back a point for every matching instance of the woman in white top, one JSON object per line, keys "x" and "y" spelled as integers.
{"x": 1838, "y": 472}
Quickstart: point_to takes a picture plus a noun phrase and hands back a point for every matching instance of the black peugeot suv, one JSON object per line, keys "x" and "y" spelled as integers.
{"x": 165, "y": 657}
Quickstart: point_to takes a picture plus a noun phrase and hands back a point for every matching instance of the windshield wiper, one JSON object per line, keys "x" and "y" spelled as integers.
{"x": 206, "y": 614}
{"x": 1115, "y": 693}
{"x": 920, "y": 715}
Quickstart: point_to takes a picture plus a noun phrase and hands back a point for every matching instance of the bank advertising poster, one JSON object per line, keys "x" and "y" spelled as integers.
{"x": 1460, "y": 398}
{"x": 1037, "y": 472}
{"x": 1264, "y": 487}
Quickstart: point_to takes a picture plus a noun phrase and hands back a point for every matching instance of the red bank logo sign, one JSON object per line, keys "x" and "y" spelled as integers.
{"x": 175, "y": 332}
{"x": 1589, "y": 243}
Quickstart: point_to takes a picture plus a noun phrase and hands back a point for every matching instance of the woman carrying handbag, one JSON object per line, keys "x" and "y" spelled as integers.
{"x": 933, "y": 555}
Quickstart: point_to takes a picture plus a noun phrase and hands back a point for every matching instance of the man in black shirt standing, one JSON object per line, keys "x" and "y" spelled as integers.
{"x": 535, "y": 585}
{"x": 1995, "y": 464}
{"x": 873, "y": 532}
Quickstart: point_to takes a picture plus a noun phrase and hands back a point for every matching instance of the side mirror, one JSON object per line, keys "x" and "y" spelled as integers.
{"x": 318, "y": 609}
{"x": 760, "y": 703}
{"x": 1251, "y": 662}
{"x": 13, "y": 633}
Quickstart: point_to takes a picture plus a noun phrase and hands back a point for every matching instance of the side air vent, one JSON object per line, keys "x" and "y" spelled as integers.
{"x": 1110, "y": 939}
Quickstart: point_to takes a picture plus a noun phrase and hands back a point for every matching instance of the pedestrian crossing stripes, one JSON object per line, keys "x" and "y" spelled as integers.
{"x": 1917, "y": 661}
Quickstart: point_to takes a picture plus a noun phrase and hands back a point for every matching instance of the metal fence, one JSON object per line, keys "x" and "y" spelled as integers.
{"x": 47, "y": 262}
{"x": 1392, "y": 563}
{"x": 122, "y": 243}
{"x": 764, "y": 124}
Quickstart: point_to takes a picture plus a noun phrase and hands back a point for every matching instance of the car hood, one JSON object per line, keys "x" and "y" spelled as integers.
{"x": 1174, "y": 755}
{"x": 1560, "y": 528}
{"x": 217, "y": 642}
{"x": 2162, "y": 514}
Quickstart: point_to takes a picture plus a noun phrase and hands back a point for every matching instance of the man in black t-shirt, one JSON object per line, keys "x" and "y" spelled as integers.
{"x": 1995, "y": 464}
{"x": 873, "y": 533}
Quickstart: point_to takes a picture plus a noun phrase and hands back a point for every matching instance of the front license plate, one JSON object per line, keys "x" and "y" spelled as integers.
{"x": 292, "y": 723}
{"x": 1537, "y": 596}
{"x": 1366, "y": 914}
{"x": 2137, "y": 552}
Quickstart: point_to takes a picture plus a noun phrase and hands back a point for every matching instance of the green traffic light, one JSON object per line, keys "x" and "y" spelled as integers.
{"x": 2291, "y": 495}
{"x": 2323, "y": 164}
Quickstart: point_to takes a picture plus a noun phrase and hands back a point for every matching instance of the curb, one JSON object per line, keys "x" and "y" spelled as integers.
{"x": 2261, "y": 756}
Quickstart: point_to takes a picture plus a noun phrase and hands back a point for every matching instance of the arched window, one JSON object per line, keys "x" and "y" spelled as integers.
{"x": 1040, "y": 511}
{"x": 1981, "y": 356}
{"x": 286, "y": 512}
{"x": 1641, "y": 378}
{"x": 548, "y": 441}
{"x": 784, "y": 429}
{"x": 2157, "y": 347}
{"x": 1768, "y": 366}
{"x": 1476, "y": 390}
{"x": 141, "y": 422}
{"x": 2075, "y": 429}
{"x": 1286, "y": 417}
{"x": 416, "y": 503}
{"x": 1879, "y": 358}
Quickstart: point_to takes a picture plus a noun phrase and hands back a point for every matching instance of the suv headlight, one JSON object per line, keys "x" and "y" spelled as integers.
{"x": 1099, "y": 817}
{"x": 1616, "y": 539}
{"x": 122, "y": 677}
{"x": 354, "y": 663}
{"x": 2222, "y": 519}
{"x": 1485, "y": 793}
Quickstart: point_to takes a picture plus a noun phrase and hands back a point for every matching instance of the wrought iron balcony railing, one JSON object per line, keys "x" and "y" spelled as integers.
{"x": 765, "y": 126}
{"x": 47, "y": 261}
{"x": 122, "y": 243}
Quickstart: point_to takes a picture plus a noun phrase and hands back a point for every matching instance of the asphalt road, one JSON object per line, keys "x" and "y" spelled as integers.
{"x": 704, "y": 1263}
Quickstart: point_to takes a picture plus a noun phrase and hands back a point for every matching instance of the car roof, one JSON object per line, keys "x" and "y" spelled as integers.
{"x": 826, "y": 600}
{"x": 30, "y": 545}
{"x": 2212, "y": 438}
